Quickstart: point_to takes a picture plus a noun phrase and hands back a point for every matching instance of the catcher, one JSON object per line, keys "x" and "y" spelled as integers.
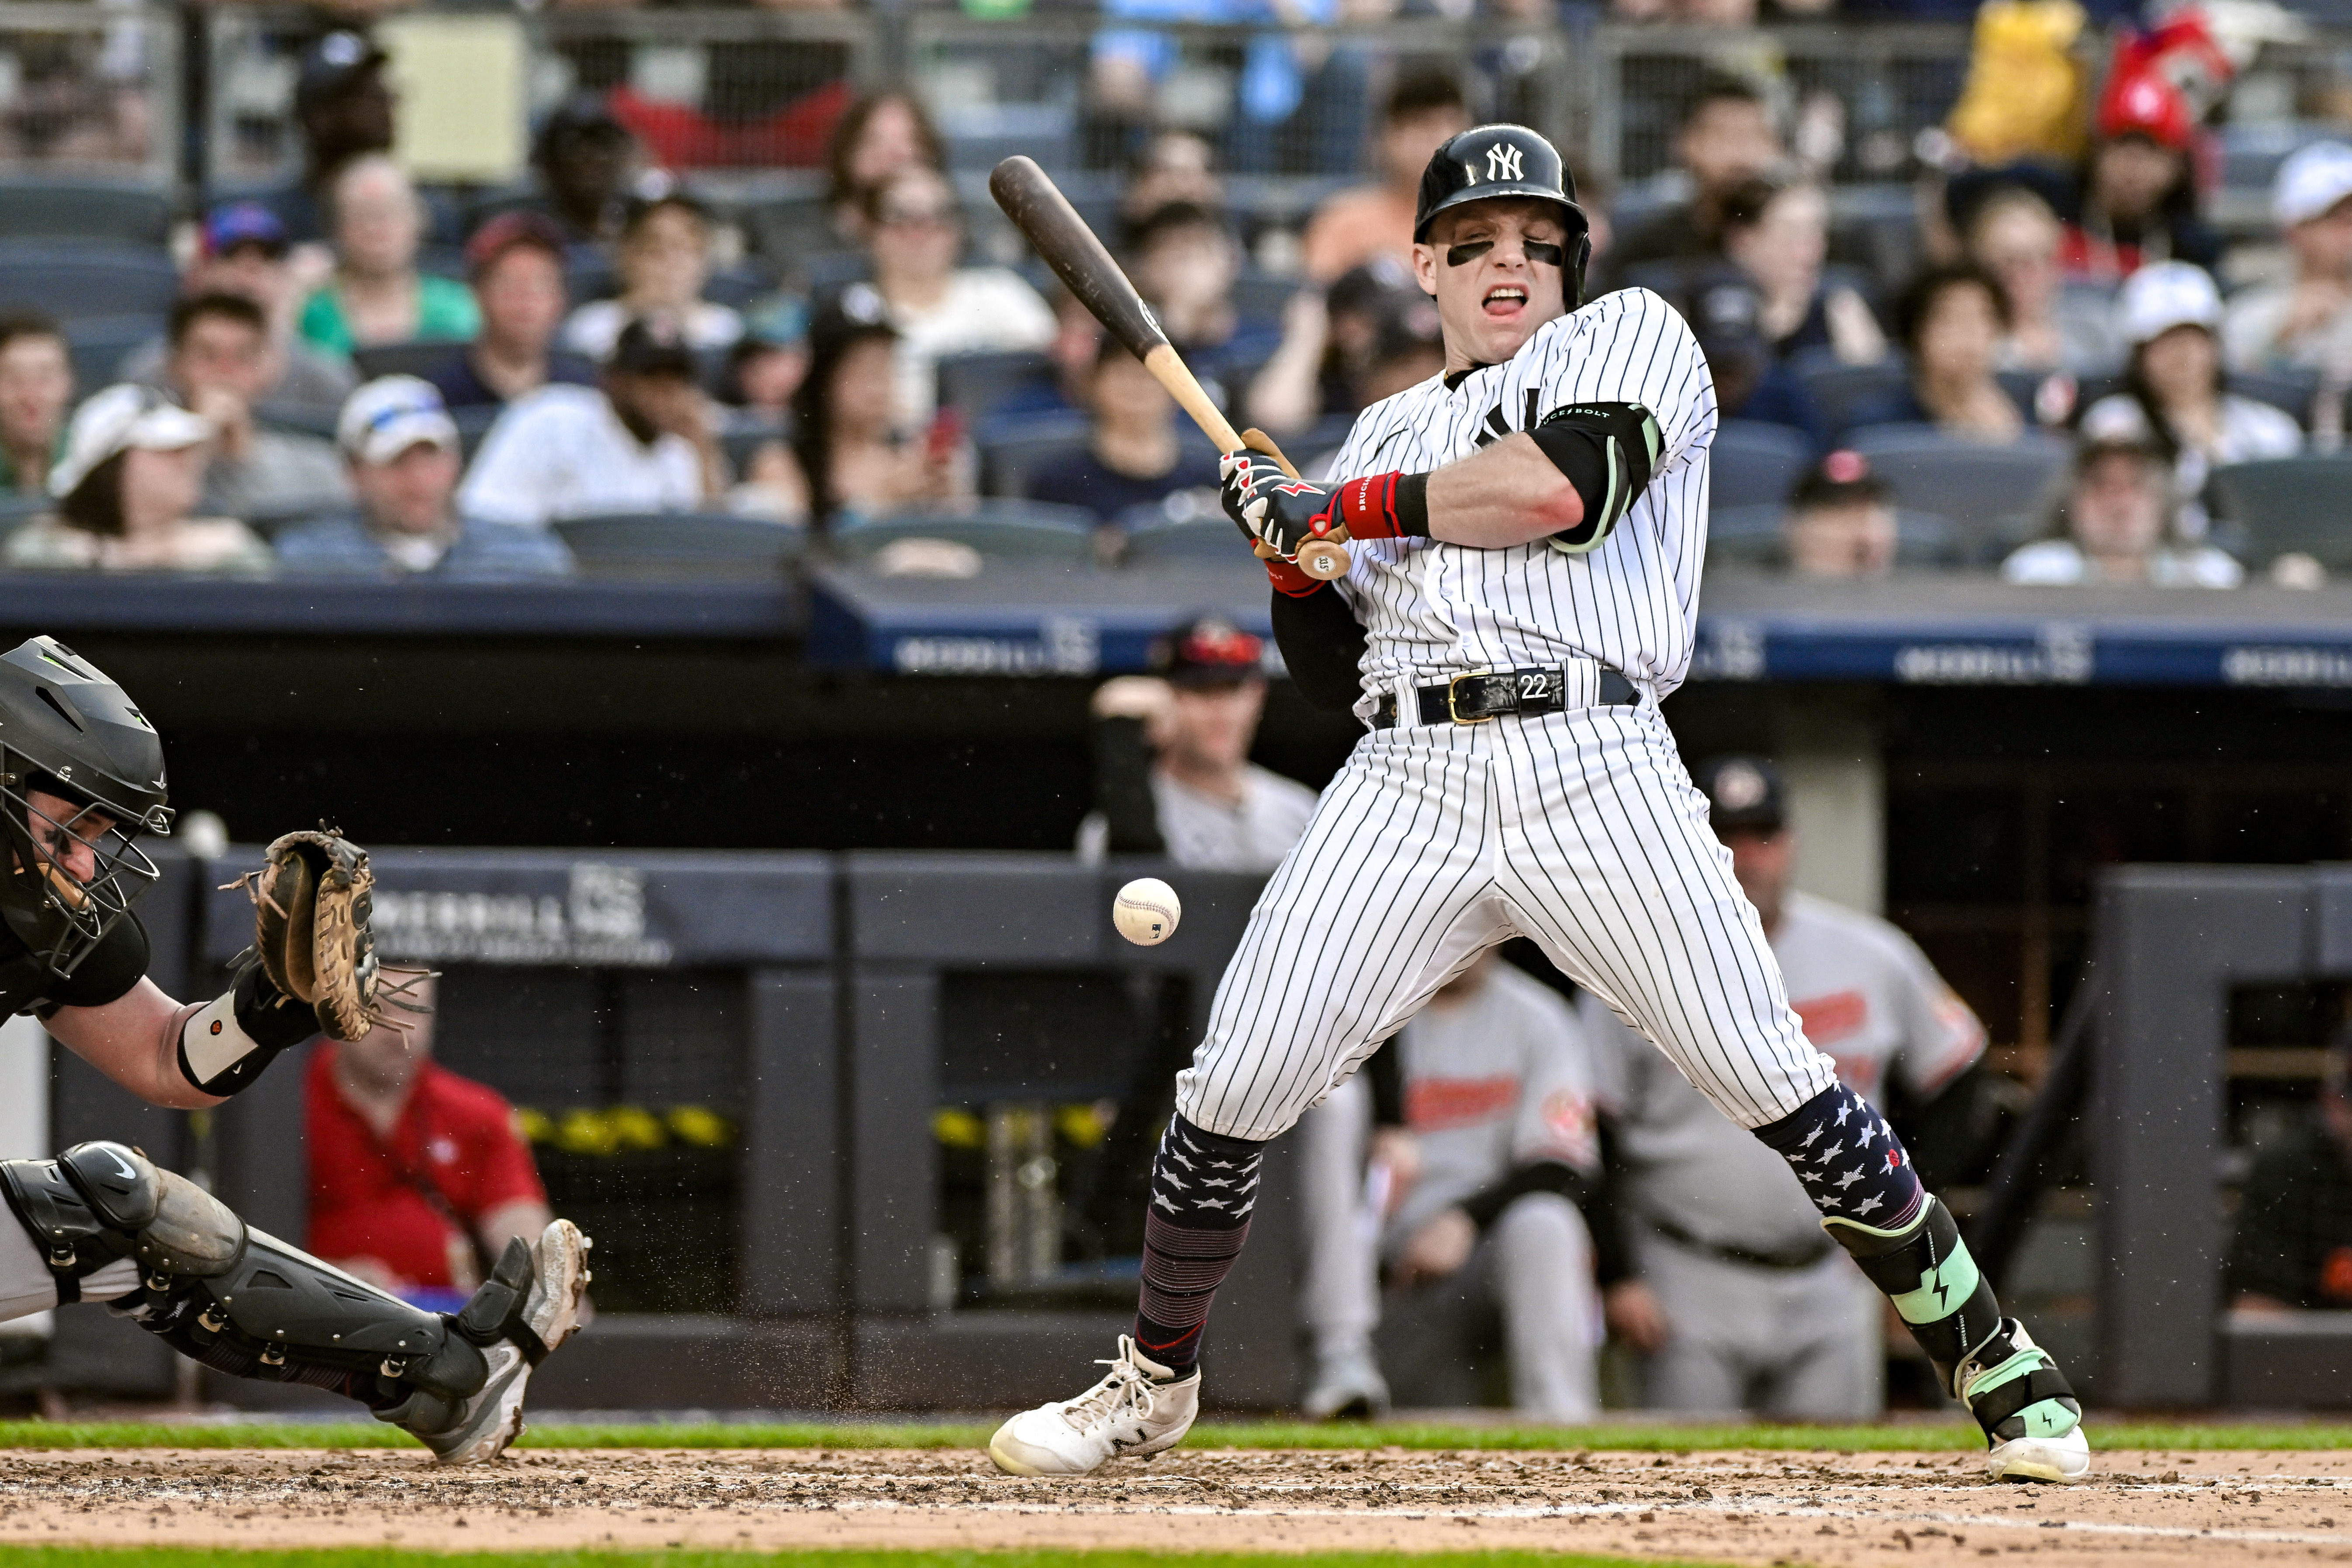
{"x": 81, "y": 774}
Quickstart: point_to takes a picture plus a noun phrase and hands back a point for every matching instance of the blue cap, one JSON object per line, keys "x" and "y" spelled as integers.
{"x": 243, "y": 222}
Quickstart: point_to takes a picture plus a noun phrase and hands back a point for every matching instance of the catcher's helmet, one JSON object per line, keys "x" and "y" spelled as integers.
{"x": 1488, "y": 161}
{"x": 68, "y": 730}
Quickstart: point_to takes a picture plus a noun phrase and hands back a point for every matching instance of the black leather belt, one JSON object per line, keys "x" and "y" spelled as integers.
{"x": 1788, "y": 1260}
{"x": 1495, "y": 693}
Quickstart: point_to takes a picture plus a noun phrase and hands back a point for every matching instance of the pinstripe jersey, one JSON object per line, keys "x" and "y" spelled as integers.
{"x": 1430, "y": 608}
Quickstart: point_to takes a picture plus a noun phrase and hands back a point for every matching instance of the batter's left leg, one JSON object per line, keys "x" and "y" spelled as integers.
{"x": 1610, "y": 865}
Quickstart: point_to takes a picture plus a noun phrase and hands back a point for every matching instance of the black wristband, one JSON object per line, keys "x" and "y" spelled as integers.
{"x": 1413, "y": 505}
{"x": 268, "y": 1013}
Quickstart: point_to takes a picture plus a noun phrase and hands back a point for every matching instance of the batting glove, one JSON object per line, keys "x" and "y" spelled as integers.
{"x": 1282, "y": 513}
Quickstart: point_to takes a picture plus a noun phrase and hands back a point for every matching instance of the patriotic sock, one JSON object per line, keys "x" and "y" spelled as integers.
{"x": 1852, "y": 1164}
{"x": 1203, "y": 1185}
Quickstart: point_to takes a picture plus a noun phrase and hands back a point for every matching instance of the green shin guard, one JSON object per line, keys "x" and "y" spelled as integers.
{"x": 1985, "y": 1360}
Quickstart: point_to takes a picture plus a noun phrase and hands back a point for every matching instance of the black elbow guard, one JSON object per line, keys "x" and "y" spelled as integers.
{"x": 1609, "y": 452}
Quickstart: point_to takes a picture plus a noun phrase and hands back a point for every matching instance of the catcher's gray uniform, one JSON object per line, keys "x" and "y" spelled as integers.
{"x": 1767, "y": 1311}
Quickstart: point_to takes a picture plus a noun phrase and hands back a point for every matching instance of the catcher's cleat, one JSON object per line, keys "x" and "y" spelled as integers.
{"x": 1138, "y": 1408}
{"x": 481, "y": 1428}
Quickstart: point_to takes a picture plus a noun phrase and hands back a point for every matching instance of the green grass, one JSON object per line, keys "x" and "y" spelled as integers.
{"x": 378, "y": 1557}
{"x": 1952, "y": 1437}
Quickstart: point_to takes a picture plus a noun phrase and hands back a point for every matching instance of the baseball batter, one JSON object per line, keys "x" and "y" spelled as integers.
{"x": 1528, "y": 532}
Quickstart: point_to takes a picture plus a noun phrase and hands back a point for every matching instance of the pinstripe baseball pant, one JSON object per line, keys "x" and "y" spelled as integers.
{"x": 1581, "y": 830}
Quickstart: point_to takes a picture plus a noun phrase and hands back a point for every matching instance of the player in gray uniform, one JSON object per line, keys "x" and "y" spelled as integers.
{"x": 1527, "y": 531}
{"x": 1755, "y": 1307}
{"x": 1497, "y": 1091}
{"x": 1172, "y": 774}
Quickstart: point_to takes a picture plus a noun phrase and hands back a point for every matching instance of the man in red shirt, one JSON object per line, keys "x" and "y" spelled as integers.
{"x": 412, "y": 1167}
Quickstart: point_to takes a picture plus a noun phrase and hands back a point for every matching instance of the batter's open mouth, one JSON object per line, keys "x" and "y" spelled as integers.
{"x": 1506, "y": 298}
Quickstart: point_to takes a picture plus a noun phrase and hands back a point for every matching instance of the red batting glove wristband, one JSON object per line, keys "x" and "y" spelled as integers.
{"x": 1385, "y": 506}
{"x": 1288, "y": 578}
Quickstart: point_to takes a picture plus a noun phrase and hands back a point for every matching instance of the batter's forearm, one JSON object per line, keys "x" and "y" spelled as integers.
{"x": 1509, "y": 494}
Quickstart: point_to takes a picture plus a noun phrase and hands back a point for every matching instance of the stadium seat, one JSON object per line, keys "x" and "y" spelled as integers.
{"x": 399, "y": 359}
{"x": 2287, "y": 504}
{"x": 1010, "y": 448}
{"x": 98, "y": 345}
{"x": 2292, "y": 392}
{"x": 1980, "y": 487}
{"x": 1187, "y": 526}
{"x": 1028, "y": 530}
{"x": 1262, "y": 296}
{"x": 745, "y": 434}
{"x": 1839, "y": 389}
{"x": 679, "y": 544}
{"x": 71, "y": 280}
{"x": 978, "y": 384}
{"x": 1755, "y": 463}
{"x": 68, "y": 209}
{"x": 473, "y": 424}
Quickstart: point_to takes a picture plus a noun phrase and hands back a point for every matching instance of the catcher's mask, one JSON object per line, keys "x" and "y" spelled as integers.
{"x": 68, "y": 731}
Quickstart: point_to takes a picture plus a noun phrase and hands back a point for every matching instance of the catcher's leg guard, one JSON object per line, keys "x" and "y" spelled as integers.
{"x": 1987, "y": 1361}
{"x": 232, "y": 1298}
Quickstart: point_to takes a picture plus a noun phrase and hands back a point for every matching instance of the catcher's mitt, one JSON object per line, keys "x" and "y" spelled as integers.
{"x": 310, "y": 930}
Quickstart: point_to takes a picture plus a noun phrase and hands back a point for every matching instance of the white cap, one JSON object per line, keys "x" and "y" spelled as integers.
{"x": 2164, "y": 295}
{"x": 390, "y": 415}
{"x": 2311, "y": 181}
{"x": 116, "y": 419}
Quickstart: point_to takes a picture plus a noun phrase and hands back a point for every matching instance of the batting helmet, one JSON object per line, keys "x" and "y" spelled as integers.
{"x": 1489, "y": 160}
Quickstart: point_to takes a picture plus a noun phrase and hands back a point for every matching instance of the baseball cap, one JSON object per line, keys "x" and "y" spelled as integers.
{"x": 244, "y": 222}
{"x": 651, "y": 348}
{"x": 2144, "y": 103}
{"x": 1208, "y": 650}
{"x": 2164, "y": 295}
{"x": 1742, "y": 793}
{"x": 390, "y": 415}
{"x": 507, "y": 230}
{"x": 1841, "y": 479}
{"x": 116, "y": 420}
{"x": 2311, "y": 181}
{"x": 335, "y": 64}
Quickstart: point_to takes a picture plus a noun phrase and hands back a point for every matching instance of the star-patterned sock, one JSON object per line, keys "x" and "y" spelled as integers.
{"x": 1852, "y": 1164}
{"x": 1203, "y": 1185}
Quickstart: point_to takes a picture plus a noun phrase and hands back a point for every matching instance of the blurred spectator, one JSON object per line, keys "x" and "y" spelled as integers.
{"x": 1423, "y": 108}
{"x": 1779, "y": 234}
{"x": 2014, "y": 236}
{"x": 1727, "y": 317}
{"x": 770, "y": 360}
{"x": 2171, "y": 314}
{"x": 2138, "y": 191}
{"x": 1184, "y": 261}
{"x": 403, "y": 451}
{"x": 584, "y": 156}
{"x": 1410, "y": 350}
{"x": 1838, "y": 522}
{"x": 36, "y": 390}
{"x": 377, "y": 295}
{"x": 1176, "y": 167}
{"x": 877, "y": 138}
{"x": 2304, "y": 322}
{"x": 937, "y": 308}
{"x": 515, "y": 262}
{"x": 846, "y": 442}
{"x": 1172, "y": 774}
{"x": 1133, "y": 455}
{"x": 664, "y": 258}
{"x": 417, "y": 1176}
{"x": 343, "y": 106}
{"x": 1326, "y": 345}
{"x": 126, "y": 486}
{"x": 2293, "y": 1245}
{"x": 218, "y": 365}
{"x": 241, "y": 248}
{"x": 1483, "y": 1183}
{"x": 2118, "y": 520}
{"x": 1950, "y": 322}
{"x": 1727, "y": 139}
{"x": 1742, "y": 1302}
{"x": 638, "y": 441}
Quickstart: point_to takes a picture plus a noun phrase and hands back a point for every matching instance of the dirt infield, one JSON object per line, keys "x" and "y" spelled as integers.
{"x": 1758, "y": 1508}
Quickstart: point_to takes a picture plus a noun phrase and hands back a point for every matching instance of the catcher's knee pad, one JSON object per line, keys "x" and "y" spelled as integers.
{"x": 1926, "y": 1270}
{"x": 100, "y": 1202}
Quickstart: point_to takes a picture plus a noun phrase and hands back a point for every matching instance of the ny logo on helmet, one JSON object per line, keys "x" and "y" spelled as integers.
{"x": 1503, "y": 162}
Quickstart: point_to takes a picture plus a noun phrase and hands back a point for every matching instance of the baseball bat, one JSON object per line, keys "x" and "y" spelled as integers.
{"x": 1037, "y": 207}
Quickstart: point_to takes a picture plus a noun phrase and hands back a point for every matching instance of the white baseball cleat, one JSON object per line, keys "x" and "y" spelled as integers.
{"x": 2065, "y": 1457}
{"x": 1138, "y": 1408}
{"x": 493, "y": 1417}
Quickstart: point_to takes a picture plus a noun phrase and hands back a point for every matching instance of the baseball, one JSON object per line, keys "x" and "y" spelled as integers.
{"x": 1146, "y": 911}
